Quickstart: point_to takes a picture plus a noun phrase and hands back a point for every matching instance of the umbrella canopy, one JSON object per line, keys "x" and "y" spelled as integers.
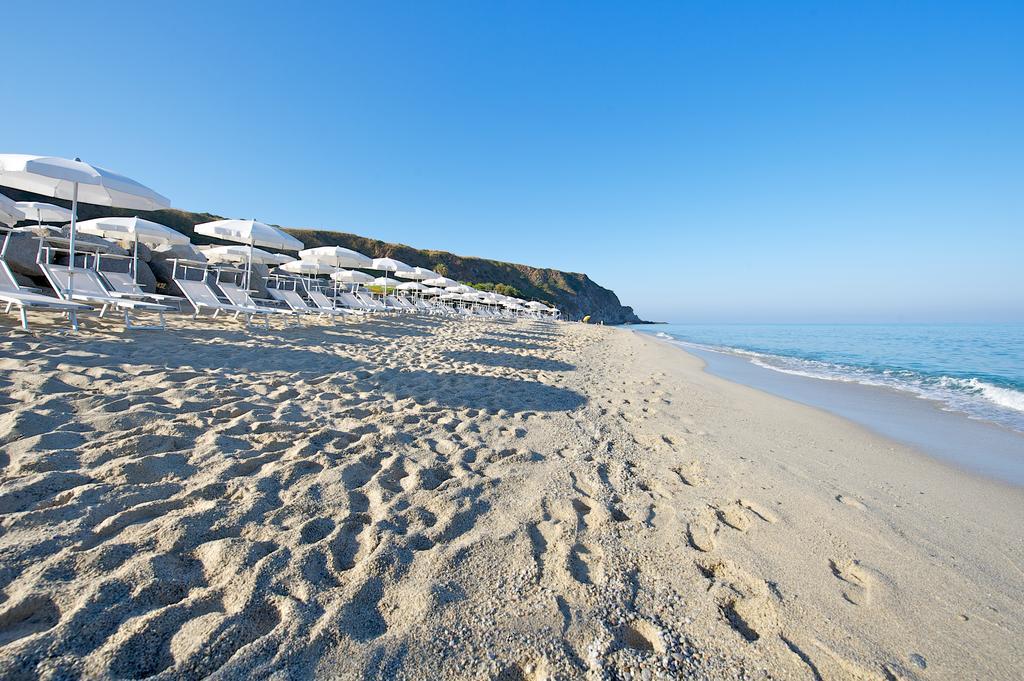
{"x": 136, "y": 230}
{"x": 249, "y": 232}
{"x": 253, "y": 233}
{"x": 240, "y": 254}
{"x": 61, "y": 178}
{"x": 10, "y": 214}
{"x": 418, "y": 273}
{"x": 440, "y": 282}
{"x": 351, "y": 277}
{"x": 336, "y": 256}
{"x": 152, "y": 234}
{"x": 411, "y": 286}
{"x": 44, "y": 212}
{"x": 308, "y": 267}
{"x": 386, "y": 281}
{"x": 387, "y": 265}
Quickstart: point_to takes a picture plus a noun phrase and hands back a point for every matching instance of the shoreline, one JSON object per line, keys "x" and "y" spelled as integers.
{"x": 921, "y": 423}
{"x": 458, "y": 499}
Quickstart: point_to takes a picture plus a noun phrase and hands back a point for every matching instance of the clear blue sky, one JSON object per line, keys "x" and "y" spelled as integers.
{"x": 739, "y": 161}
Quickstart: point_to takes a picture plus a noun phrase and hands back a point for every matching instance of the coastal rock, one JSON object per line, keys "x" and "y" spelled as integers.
{"x": 21, "y": 254}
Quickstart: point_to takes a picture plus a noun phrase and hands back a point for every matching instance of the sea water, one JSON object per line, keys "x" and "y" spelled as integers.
{"x": 973, "y": 369}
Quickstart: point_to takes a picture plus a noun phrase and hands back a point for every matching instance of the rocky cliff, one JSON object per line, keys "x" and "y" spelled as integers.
{"x": 572, "y": 292}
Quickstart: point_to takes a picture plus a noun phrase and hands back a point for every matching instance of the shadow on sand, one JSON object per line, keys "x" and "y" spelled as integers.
{"x": 197, "y": 351}
{"x": 491, "y": 393}
{"x": 505, "y": 359}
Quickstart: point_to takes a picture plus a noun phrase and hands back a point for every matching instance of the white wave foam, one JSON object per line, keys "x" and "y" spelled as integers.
{"x": 1004, "y": 397}
{"x": 973, "y": 396}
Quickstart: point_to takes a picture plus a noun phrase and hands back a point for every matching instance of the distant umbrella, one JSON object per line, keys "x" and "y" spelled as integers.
{"x": 417, "y": 273}
{"x": 136, "y": 230}
{"x": 352, "y": 277}
{"x": 388, "y": 265}
{"x": 251, "y": 233}
{"x": 336, "y": 256}
{"x": 43, "y": 212}
{"x": 240, "y": 255}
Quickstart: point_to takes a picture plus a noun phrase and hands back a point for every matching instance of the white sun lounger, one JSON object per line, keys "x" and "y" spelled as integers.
{"x": 373, "y": 303}
{"x": 324, "y": 303}
{"x": 293, "y": 300}
{"x": 13, "y": 295}
{"x": 84, "y": 285}
{"x": 398, "y": 304}
{"x": 202, "y": 297}
{"x": 242, "y": 299}
{"x": 123, "y": 285}
{"x": 350, "y": 300}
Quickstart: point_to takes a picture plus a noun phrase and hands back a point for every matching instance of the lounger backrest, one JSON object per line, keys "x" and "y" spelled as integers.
{"x": 199, "y": 293}
{"x": 236, "y": 295}
{"x": 86, "y": 281}
{"x": 393, "y": 301}
{"x": 351, "y": 301}
{"x": 293, "y": 299}
{"x": 320, "y": 300}
{"x": 368, "y": 301}
{"x": 122, "y": 282}
{"x": 7, "y": 280}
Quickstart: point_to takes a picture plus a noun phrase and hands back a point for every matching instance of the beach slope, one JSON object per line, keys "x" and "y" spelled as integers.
{"x": 423, "y": 498}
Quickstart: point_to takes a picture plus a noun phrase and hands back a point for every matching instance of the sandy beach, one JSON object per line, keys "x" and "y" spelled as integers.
{"x": 424, "y": 498}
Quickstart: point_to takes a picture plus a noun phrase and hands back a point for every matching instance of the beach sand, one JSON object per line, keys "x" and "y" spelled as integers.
{"x": 423, "y": 498}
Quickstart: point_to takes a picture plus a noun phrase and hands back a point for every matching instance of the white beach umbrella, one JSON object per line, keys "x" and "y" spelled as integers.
{"x": 61, "y": 178}
{"x": 240, "y": 255}
{"x": 417, "y": 273}
{"x": 252, "y": 233}
{"x": 282, "y": 259}
{"x": 10, "y": 214}
{"x": 440, "y": 282}
{"x": 337, "y": 256}
{"x": 44, "y": 212}
{"x": 388, "y": 265}
{"x": 386, "y": 281}
{"x": 411, "y": 286}
{"x": 249, "y": 232}
{"x": 352, "y": 277}
{"x": 309, "y": 268}
{"x": 136, "y": 230}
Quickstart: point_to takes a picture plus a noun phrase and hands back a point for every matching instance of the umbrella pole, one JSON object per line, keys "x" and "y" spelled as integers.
{"x": 135, "y": 259}
{"x": 248, "y": 267}
{"x": 71, "y": 246}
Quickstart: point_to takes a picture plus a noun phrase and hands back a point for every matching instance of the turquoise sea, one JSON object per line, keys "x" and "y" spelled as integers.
{"x": 974, "y": 369}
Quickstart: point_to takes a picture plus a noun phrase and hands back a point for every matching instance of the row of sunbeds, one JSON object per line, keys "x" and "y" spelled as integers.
{"x": 208, "y": 290}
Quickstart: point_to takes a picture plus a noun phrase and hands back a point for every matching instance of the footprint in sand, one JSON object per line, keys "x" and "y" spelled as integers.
{"x": 690, "y": 474}
{"x": 745, "y": 601}
{"x": 701, "y": 532}
{"x": 734, "y": 516}
{"x": 758, "y": 510}
{"x": 851, "y": 502}
{"x": 857, "y": 581}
